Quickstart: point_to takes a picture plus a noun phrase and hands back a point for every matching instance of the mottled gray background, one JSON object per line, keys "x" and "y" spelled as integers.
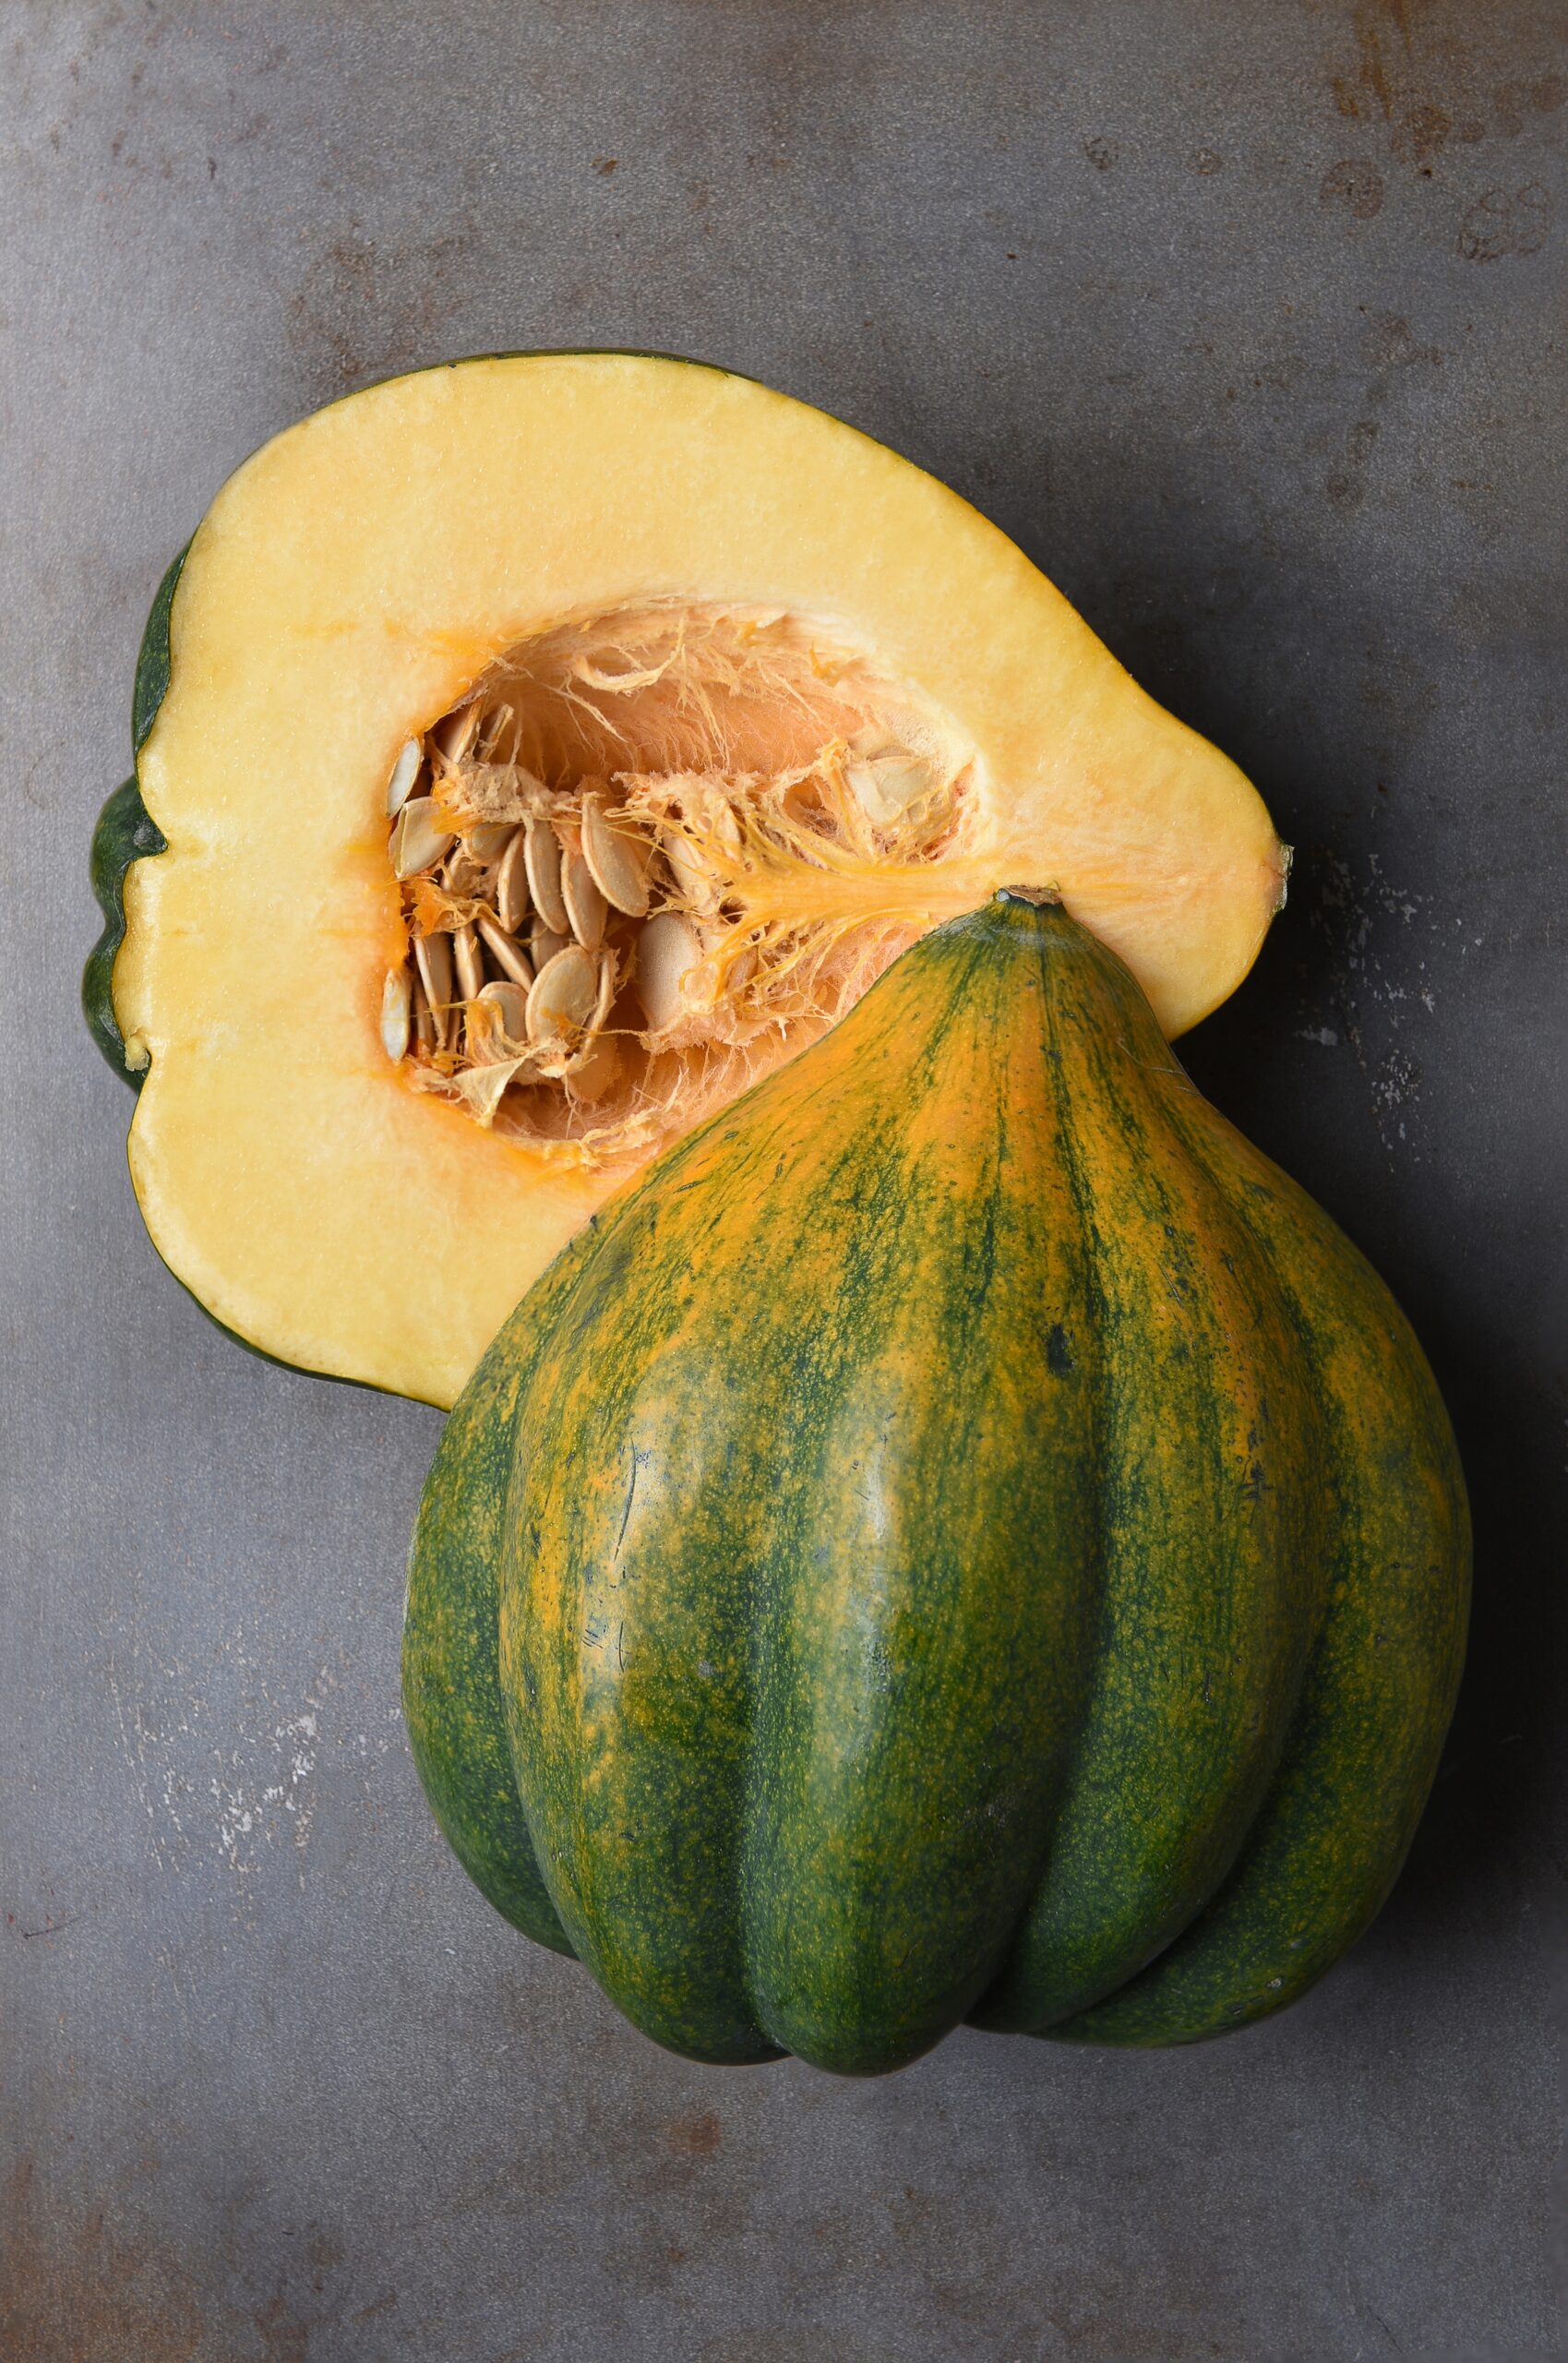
{"x": 1247, "y": 320}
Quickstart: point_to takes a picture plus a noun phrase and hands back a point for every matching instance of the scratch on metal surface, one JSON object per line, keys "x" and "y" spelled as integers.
{"x": 252, "y": 1815}
{"x": 166, "y": 1961}
{"x": 136, "y": 1756}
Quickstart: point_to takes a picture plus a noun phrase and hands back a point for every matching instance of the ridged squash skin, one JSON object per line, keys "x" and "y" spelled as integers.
{"x": 962, "y": 1536}
{"x": 127, "y": 833}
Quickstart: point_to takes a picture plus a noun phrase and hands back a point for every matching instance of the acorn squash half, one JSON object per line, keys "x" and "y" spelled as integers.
{"x": 533, "y": 751}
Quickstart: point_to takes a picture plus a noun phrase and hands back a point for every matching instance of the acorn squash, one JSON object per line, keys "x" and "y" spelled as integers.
{"x": 962, "y": 1535}
{"x": 530, "y": 753}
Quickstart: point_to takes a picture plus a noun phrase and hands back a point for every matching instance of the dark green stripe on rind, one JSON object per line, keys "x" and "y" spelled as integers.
{"x": 1211, "y": 1526}
{"x": 924, "y": 1619}
{"x": 1332, "y": 1834}
{"x": 127, "y": 833}
{"x": 626, "y": 1707}
{"x": 450, "y": 1673}
{"x": 153, "y": 659}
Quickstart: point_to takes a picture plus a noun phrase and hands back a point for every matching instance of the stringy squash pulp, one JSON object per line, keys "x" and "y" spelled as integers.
{"x": 550, "y": 746}
{"x": 650, "y": 853}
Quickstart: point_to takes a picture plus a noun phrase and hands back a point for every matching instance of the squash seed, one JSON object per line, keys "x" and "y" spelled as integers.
{"x": 605, "y": 1000}
{"x": 433, "y": 956}
{"x": 511, "y": 886}
{"x": 469, "y": 962}
{"x": 706, "y": 985}
{"x": 405, "y": 771}
{"x": 455, "y": 733}
{"x": 563, "y": 996}
{"x": 592, "y": 1073}
{"x": 586, "y": 907}
{"x": 507, "y": 956}
{"x": 544, "y": 943}
{"x": 397, "y": 1000}
{"x": 886, "y": 784}
{"x": 542, "y": 859}
{"x": 668, "y": 950}
{"x": 693, "y": 871}
{"x": 490, "y": 1044}
{"x": 495, "y": 729}
{"x": 510, "y": 1002}
{"x": 418, "y": 839}
{"x": 617, "y": 862}
{"x": 488, "y": 841}
{"x": 423, "y": 1024}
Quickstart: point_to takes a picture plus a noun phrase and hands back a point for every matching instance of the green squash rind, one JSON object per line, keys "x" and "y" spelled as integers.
{"x": 1331, "y": 1835}
{"x": 155, "y": 660}
{"x": 725, "y": 1883}
{"x": 451, "y": 1689}
{"x": 127, "y": 833}
{"x": 1195, "y": 1680}
{"x": 719, "y": 1880}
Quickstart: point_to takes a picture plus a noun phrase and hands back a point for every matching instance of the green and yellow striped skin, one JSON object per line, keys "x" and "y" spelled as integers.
{"x": 961, "y": 1536}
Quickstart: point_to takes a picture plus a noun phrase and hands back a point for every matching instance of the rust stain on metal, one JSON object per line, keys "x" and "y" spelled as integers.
{"x": 1357, "y": 186}
{"x": 1434, "y": 76}
{"x": 77, "y": 2292}
{"x": 696, "y": 2137}
{"x": 1505, "y": 221}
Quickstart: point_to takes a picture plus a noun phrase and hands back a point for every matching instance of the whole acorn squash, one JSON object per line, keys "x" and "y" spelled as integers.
{"x": 618, "y": 666}
{"x": 962, "y": 1536}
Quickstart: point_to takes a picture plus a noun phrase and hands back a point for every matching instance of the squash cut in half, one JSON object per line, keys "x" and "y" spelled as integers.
{"x": 530, "y": 753}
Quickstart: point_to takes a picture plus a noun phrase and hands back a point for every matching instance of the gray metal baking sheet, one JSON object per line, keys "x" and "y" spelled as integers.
{"x": 1246, "y": 317}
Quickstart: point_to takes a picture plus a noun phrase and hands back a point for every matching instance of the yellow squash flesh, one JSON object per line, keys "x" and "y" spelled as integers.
{"x": 347, "y": 586}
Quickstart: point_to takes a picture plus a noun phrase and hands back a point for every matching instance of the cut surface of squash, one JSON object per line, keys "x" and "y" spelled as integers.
{"x": 551, "y": 744}
{"x": 690, "y": 836}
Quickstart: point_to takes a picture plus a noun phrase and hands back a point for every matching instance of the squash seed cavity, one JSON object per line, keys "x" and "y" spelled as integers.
{"x": 649, "y": 856}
